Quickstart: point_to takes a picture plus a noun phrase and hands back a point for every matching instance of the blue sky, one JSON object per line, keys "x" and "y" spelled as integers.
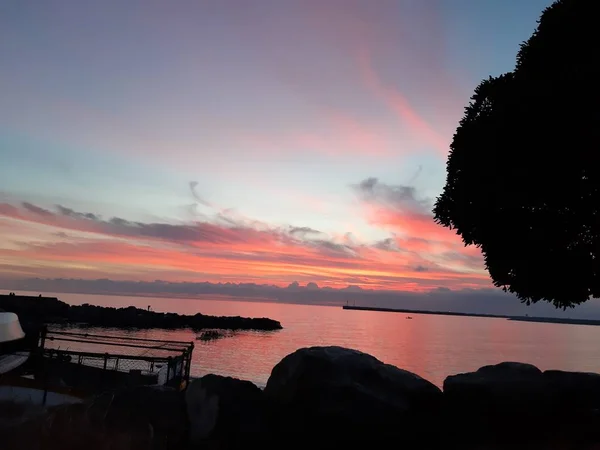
{"x": 275, "y": 111}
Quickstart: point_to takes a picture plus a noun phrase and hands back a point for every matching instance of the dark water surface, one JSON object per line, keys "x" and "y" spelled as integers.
{"x": 431, "y": 346}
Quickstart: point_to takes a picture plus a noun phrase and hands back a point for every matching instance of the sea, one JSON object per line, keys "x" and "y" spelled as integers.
{"x": 429, "y": 345}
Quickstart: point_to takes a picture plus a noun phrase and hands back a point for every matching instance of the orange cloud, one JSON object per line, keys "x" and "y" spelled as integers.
{"x": 399, "y": 210}
{"x": 219, "y": 251}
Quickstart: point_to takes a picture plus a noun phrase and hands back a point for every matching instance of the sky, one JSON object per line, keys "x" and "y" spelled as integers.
{"x": 229, "y": 141}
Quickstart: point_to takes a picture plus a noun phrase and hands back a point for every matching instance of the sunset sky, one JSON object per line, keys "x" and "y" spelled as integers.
{"x": 264, "y": 141}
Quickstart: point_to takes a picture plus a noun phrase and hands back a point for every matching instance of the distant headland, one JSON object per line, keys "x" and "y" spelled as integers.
{"x": 52, "y": 310}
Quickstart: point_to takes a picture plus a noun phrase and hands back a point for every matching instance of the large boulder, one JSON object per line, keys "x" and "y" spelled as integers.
{"x": 573, "y": 393}
{"x": 575, "y": 400}
{"x": 515, "y": 402}
{"x": 202, "y": 412}
{"x": 344, "y": 394}
{"x": 506, "y": 387}
{"x": 498, "y": 403}
{"x": 243, "y": 414}
{"x": 514, "y": 389}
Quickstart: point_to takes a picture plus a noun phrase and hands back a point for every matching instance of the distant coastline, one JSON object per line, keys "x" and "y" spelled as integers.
{"x": 567, "y": 321}
{"x": 490, "y": 301}
{"x": 51, "y": 310}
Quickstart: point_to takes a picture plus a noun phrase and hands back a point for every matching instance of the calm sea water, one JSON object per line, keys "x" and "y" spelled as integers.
{"x": 431, "y": 346}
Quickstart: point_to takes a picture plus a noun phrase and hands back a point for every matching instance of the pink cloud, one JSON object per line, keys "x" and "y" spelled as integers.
{"x": 214, "y": 251}
{"x": 399, "y": 210}
{"x": 399, "y": 104}
{"x": 339, "y": 134}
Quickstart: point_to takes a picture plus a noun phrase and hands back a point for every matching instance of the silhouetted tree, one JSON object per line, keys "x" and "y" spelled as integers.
{"x": 523, "y": 173}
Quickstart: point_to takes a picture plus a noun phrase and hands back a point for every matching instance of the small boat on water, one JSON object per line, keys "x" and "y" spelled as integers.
{"x": 211, "y": 335}
{"x": 408, "y": 317}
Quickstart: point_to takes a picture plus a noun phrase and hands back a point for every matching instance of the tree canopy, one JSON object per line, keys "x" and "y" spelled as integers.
{"x": 523, "y": 173}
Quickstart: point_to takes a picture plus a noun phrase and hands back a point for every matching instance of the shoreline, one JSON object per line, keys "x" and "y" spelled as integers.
{"x": 52, "y": 310}
{"x": 565, "y": 321}
{"x": 313, "y": 393}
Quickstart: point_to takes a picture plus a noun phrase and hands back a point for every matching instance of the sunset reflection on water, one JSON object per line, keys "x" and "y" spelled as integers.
{"x": 431, "y": 346}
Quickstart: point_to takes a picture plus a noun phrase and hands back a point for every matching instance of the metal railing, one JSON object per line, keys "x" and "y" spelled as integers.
{"x": 100, "y": 361}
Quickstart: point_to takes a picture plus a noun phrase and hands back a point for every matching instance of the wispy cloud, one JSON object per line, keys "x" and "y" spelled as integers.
{"x": 414, "y": 123}
{"x": 402, "y": 211}
{"x": 197, "y": 197}
{"x": 303, "y": 231}
{"x": 227, "y": 248}
{"x": 35, "y": 209}
{"x": 338, "y": 134}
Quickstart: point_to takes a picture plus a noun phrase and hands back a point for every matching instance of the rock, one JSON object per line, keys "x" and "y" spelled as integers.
{"x": 344, "y": 394}
{"x": 51, "y": 310}
{"x": 573, "y": 392}
{"x": 496, "y": 403}
{"x": 243, "y": 413}
{"x": 575, "y": 403}
{"x": 160, "y": 409}
{"x": 202, "y": 411}
{"x": 515, "y": 405}
{"x": 506, "y": 386}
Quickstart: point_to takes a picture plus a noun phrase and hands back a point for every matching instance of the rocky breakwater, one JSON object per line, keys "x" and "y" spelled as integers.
{"x": 317, "y": 397}
{"x": 517, "y": 404}
{"x": 51, "y": 310}
{"x": 332, "y": 397}
{"x": 344, "y": 395}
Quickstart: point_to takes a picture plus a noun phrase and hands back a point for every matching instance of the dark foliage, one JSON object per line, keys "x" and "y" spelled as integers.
{"x": 523, "y": 174}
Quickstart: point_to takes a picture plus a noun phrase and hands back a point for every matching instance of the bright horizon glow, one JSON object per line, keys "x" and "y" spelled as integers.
{"x": 209, "y": 141}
